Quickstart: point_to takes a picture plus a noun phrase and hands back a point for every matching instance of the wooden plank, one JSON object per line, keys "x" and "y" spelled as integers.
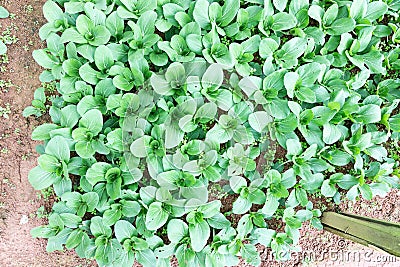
{"x": 367, "y": 231}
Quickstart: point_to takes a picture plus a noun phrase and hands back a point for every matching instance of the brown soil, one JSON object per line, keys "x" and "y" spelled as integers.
{"x": 19, "y": 201}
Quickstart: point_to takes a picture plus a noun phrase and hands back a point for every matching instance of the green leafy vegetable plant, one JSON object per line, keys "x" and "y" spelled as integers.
{"x": 160, "y": 101}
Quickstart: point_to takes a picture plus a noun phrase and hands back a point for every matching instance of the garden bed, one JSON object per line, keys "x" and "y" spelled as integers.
{"x": 21, "y": 209}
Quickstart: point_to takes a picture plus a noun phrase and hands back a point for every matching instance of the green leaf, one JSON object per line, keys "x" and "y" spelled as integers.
{"x": 394, "y": 123}
{"x": 301, "y": 196}
{"x": 58, "y": 147}
{"x": 341, "y": 26}
{"x": 124, "y": 230}
{"x": 237, "y": 183}
{"x": 114, "y": 188}
{"x": 293, "y": 48}
{"x": 241, "y": 205}
{"x": 88, "y": 74}
{"x": 84, "y": 149}
{"x": 96, "y": 173}
{"x": 283, "y": 21}
{"x": 327, "y": 189}
{"x": 229, "y": 11}
{"x": 267, "y": 47}
{"x": 70, "y": 220}
{"x": 156, "y": 216}
{"x": 101, "y": 36}
{"x": 316, "y": 12}
{"x": 250, "y": 254}
{"x": 41, "y": 179}
{"x": 369, "y": 114}
{"x": 44, "y": 59}
{"x": 139, "y": 146}
{"x": 264, "y": 236}
{"x": 200, "y": 13}
{"x": 280, "y": 4}
{"x": 330, "y": 14}
{"x": 293, "y": 147}
{"x": 91, "y": 199}
{"x": 52, "y": 12}
{"x": 103, "y": 58}
{"x": 213, "y": 77}
{"x": 271, "y": 205}
{"x": 115, "y": 24}
{"x": 375, "y": 10}
{"x": 3, "y": 48}
{"x": 290, "y": 81}
{"x": 358, "y": 9}
{"x": 130, "y": 208}
{"x": 309, "y": 73}
{"x": 306, "y": 94}
{"x": 373, "y": 59}
{"x": 176, "y": 230}
{"x": 331, "y": 134}
{"x": 366, "y": 191}
{"x": 256, "y": 196}
{"x": 98, "y": 228}
{"x": 111, "y": 216}
{"x": 259, "y": 120}
{"x": 74, "y": 239}
{"x": 206, "y": 112}
{"x": 3, "y": 13}
{"x": 146, "y": 257}
{"x": 93, "y": 121}
{"x": 199, "y": 234}
{"x": 56, "y": 242}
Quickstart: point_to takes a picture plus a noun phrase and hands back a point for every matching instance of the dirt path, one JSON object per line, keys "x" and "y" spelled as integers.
{"x": 18, "y": 200}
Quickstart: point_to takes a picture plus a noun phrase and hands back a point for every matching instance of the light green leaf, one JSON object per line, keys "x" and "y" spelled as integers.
{"x": 330, "y": 14}
{"x": 341, "y": 26}
{"x": 280, "y": 4}
{"x": 52, "y": 12}
{"x": 293, "y": 147}
{"x": 358, "y": 9}
{"x": 369, "y": 114}
{"x": 93, "y": 121}
{"x": 264, "y": 236}
{"x": 267, "y": 47}
{"x": 3, "y": 48}
{"x": 331, "y": 134}
{"x": 176, "y": 230}
{"x": 200, "y": 13}
{"x": 199, "y": 234}
{"x": 41, "y": 179}
{"x": 156, "y": 216}
{"x": 44, "y": 59}
{"x": 259, "y": 120}
{"x": 103, "y": 58}
{"x": 3, "y": 13}
{"x": 283, "y": 21}
{"x": 316, "y": 12}
{"x": 327, "y": 189}
{"x": 111, "y": 216}
{"x": 290, "y": 81}
{"x": 375, "y": 10}
{"x": 58, "y": 147}
{"x": 229, "y": 11}
{"x": 213, "y": 77}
